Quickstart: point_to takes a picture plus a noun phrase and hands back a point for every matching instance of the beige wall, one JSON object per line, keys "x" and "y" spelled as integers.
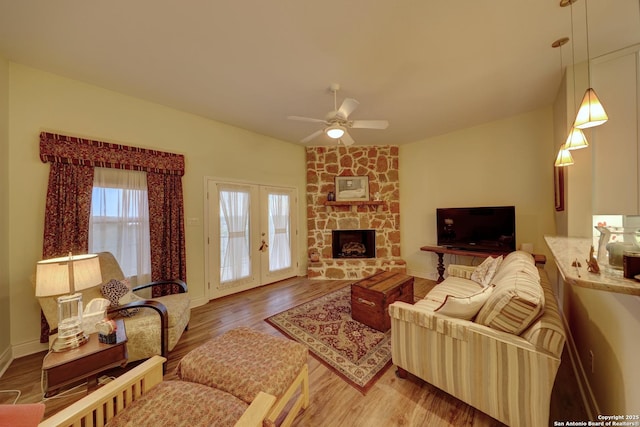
{"x": 506, "y": 162}
{"x": 607, "y": 325}
{"x": 601, "y": 323}
{"x": 5, "y": 350}
{"x": 43, "y": 101}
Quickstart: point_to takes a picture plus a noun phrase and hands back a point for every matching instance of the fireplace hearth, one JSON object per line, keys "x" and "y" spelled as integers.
{"x": 354, "y": 243}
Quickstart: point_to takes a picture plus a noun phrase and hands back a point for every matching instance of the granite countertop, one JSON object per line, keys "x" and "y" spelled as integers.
{"x": 566, "y": 250}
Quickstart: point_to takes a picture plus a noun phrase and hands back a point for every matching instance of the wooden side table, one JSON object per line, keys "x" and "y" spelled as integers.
{"x": 84, "y": 362}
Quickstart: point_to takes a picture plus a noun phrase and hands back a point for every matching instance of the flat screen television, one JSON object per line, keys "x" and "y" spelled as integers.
{"x": 477, "y": 228}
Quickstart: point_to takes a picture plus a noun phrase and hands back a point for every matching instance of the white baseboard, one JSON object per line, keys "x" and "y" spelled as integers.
{"x": 20, "y": 350}
{"x": 29, "y": 347}
{"x": 589, "y": 400}
{"x": 198, "y": 302}
{"x": 5, "y": 361}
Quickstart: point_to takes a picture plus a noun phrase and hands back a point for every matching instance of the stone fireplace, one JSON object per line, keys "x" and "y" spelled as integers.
{"x": 374, "y": 223}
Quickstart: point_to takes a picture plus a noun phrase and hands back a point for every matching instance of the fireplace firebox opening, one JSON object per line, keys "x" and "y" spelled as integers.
{"x": 353, "y": 243}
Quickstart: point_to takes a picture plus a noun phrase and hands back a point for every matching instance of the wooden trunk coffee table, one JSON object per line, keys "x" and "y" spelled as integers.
{"x": 371, "y": 296}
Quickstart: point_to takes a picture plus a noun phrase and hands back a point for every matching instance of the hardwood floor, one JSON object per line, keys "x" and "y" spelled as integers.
{"x": 390, "y": 402}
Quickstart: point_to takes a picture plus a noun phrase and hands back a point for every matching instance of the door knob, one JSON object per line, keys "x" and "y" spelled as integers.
{"x": 263, "y": 246}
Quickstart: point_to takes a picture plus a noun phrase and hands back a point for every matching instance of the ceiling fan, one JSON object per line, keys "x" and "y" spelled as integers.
{"x": 337, "y": 121}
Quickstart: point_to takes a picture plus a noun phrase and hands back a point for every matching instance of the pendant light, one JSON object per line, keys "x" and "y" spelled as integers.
{"x": 591, "y": 112}
{"x": 564, "y": 157}
{"x": 576, "y": 139}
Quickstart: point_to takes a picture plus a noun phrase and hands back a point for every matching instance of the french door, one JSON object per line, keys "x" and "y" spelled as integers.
{"x": 251, "y": 237}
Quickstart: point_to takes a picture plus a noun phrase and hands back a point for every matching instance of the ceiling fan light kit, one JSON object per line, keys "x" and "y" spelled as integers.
{"x": 335, "y": 131}
{"x": 337, "y": 121}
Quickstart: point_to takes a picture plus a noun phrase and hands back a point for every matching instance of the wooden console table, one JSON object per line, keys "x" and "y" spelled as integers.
{"x": 441, "y": 250}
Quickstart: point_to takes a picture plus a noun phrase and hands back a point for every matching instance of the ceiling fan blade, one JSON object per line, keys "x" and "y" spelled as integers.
{"x": 347, "y": 107}
{"x": 346, "y": 139}
{"x": 369, "y": 124}
{"x": 312, "y": 136}
{"x": 306, "y": 119}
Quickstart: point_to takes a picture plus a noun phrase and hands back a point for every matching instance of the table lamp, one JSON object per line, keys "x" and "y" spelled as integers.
{"x": 65, "y": 276}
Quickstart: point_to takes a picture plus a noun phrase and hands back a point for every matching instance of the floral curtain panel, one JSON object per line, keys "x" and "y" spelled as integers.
{"x": 66, "y": 221}
{"x": 166, "y": 225}
{"x": 69, "y": 198}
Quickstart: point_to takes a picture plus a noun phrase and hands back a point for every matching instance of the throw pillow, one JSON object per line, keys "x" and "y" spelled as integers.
{"x": 119, "y": 293}
{"x": 21, "y": 415}
{"x": 464, "y": 307}
{"x": 517, "y": 301}
{"x": 485, "y": 271}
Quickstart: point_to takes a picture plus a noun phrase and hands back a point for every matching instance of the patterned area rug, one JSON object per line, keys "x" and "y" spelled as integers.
{"x": 356, "y": 352}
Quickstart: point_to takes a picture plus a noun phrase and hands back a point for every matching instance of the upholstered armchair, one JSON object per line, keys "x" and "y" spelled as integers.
{"x": 153, "y": 325}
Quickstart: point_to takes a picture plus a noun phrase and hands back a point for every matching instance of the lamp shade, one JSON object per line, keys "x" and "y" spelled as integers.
{"x": 591, "y": 112}
{"x": 66, "y": 275}
{"x": 564, "y": 158}
{"x": 334, "y": 131}
{"x": 576, "y": 140}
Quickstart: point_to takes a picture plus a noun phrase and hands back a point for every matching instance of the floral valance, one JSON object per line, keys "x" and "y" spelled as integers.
{"x": 79, "y": 151}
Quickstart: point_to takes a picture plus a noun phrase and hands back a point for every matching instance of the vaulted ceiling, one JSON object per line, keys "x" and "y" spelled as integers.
{"x": 428, "y": 67}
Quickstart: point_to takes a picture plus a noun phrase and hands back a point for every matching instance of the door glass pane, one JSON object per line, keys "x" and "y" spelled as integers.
{"x": 235, "y": 259}
{"x": 279, "y": 232}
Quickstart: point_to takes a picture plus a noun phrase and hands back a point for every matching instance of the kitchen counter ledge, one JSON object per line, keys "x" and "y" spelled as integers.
{"x": 566, "y": 250}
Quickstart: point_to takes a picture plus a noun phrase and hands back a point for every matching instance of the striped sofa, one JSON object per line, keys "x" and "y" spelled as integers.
{"x": 503, "y": 360}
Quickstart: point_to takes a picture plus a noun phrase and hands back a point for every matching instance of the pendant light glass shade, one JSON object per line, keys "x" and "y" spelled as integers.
{"x": 576, "y": 140}
{"x": 564, "y": 157}
{"x": 591, "y": 112}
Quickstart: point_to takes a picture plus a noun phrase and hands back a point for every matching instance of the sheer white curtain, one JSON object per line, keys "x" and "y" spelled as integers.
{"x": 235, "y": 259}
{"x": 279, "y": 232}
{"x": 119, "y": 221}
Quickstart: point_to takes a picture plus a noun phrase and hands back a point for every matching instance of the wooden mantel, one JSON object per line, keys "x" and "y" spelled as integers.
{"x": 354, "y": 204}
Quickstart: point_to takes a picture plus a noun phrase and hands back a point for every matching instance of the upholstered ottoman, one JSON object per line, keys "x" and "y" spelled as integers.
{"x": 244, "y": 361}
{"x": 181, "y": 403}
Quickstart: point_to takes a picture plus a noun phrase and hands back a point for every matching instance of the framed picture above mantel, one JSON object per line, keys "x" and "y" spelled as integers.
{"x": 352, "y": 188}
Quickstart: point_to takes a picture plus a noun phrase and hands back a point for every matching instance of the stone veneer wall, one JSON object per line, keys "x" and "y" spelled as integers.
{"x": 380, "y": 164}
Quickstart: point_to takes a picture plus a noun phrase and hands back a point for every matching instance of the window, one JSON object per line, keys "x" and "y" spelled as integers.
{"x": 119, "y": 221}
{"x": 279, "y": 232}
{"x": 235, "y": 256}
